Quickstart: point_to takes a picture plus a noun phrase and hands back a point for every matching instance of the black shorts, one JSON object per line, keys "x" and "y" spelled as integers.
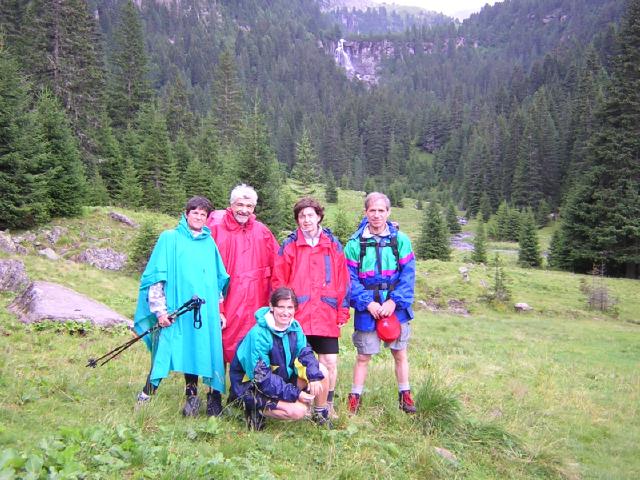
{"x": 323, "y": 344}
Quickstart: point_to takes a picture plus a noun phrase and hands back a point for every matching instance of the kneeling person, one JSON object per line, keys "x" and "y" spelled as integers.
{"x": 274, "y": 371}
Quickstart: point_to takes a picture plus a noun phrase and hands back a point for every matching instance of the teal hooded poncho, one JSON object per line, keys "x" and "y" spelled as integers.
{"x": 188, "y": 265}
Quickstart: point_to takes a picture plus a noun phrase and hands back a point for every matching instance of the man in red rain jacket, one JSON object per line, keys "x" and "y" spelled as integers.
{"x": 248, "y": 250}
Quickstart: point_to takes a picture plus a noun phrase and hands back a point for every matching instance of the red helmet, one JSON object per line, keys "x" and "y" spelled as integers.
{"x": 388, "y": 328}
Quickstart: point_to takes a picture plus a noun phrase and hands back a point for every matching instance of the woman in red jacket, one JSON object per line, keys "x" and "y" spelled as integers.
{"x": 311, "y": 262}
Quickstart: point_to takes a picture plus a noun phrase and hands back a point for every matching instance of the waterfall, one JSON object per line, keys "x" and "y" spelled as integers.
{"x": 342, "y": 59}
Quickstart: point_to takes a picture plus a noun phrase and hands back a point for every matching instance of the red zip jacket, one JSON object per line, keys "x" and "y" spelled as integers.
{"x": 320, "y": 278}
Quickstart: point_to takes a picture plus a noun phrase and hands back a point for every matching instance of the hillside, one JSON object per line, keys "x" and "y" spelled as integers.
{"x": 551, "y": 393}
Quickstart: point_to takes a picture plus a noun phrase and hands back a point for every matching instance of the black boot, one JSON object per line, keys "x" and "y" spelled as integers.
{"x": 214, "y": 404}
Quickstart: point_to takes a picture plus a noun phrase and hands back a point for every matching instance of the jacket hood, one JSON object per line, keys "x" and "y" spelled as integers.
{"x": 183, "y": 229}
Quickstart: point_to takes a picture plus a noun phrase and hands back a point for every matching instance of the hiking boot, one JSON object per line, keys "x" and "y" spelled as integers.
{"x": 142, "y": 400}
{"x": 405, "y": 402}
{"x": 191, "y": 406}
{"x": 254, "y": 419}
{"x": 353, "y": 402}
{"x": 214, "y": 404}
{"x": 321, "y": 418}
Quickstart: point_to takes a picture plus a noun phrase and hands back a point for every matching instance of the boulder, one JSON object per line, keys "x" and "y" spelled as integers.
{"x": 447, "y": 455}
{"x": 44, "y": 301}
{"x": 119, "y": 217}
{"x": 522, "y": 307}
{"x": 13, "y": 277}
{"x": 6, "y": 243}
{"x": 54, "y": 234}
{"x": 103, "y": 258}
{"x": 49, "y": 253}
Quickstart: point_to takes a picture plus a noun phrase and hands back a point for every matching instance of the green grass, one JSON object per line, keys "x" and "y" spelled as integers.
{"x": 553, "y": 393}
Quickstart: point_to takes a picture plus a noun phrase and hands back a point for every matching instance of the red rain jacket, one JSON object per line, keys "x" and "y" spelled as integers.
{"x": 248, "y": 252}
{"x": 320, "y": 278}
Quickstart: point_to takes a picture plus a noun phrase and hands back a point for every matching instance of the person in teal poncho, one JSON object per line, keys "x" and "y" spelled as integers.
{"x": 185, "y": 262}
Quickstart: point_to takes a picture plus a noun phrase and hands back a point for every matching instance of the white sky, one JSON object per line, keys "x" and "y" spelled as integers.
{"x": 453, "y": 8}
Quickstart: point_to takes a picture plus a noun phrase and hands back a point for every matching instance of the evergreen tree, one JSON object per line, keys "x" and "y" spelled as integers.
{"x": 529, "y": 252}
{"x": 63, "y": 52}
{"x": 109, "y": 159}
{"x": 61, "y": 158}
{"x": 97, "y": 193}
{"x": 206, "y": 144}
{"x": 601, "y": 218}
{"x": 182, "y": 153}
{"x": 173, "y": 197}
{"x": 559, "y": 254}
{"x": 180, "y": 118}
{"x": 23, "y": 192}
{"x": 128, "y": 83}
{"x": 305, "y": 170}
{"x": 434, "y": 236}
{"x": 342, "y": 227}
{"x": 452, "y": 219}
{"x": 227, "y": 98}
{"x": 369, "y": 185}
{"x": 197, "y": 181}
{"x": 259, "y": 168}
{"x": 479, "y": 254}
{"x": 156, "y": 158}
{"x": 485, "y": 207}
{"x": 129, "y": 190}
{"x": 331, "y": 191}
{"x": 142, "y": 246}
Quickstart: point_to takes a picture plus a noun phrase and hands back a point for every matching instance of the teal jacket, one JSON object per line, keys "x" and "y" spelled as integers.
{"x": 268, "y": 363}
{"x": 188, "y": 266}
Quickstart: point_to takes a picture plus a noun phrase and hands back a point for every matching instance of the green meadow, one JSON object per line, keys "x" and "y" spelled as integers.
{"x": 550, "y": 393}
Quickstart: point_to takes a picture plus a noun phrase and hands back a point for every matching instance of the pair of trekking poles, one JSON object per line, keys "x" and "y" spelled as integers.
{"x": 193, "y": 304}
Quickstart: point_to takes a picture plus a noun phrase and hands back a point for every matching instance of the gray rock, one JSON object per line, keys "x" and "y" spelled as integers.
{"x": 49, "y": 253}
{"x": 447, "y": 455}
{"x": 119, "y": 217}
{"x": 522, "y": 307}
{"x": 103, "y": 258}
{"x": 54, "y": 234}
{"x": 458, "y": 307}
{"x": 13, "y": 277}
{"x": 6, "y": 243}
{"x": 44, "y": 301}
{"x": 26, "y": 237}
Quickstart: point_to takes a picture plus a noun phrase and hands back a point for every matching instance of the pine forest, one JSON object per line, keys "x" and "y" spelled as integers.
{"x": 528, "y": 108}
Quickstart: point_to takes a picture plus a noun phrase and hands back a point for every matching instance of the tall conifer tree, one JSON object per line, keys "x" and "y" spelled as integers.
{"x": 65, "y": 179}
{"x": 602, "y": 213}
{"x": 128, "y": 83}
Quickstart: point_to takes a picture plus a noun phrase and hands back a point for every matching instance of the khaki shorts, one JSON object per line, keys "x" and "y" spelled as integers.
{"x": 368, "y": 343}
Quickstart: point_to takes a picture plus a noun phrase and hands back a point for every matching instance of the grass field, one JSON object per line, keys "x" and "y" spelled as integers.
{"x": 552, "y": 393}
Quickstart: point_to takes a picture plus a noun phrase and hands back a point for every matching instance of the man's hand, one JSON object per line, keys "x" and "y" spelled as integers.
{"x": 387, "y": 308}
{"x": 315, "y": 388}
{"x": 305, "y": 397}
{"x": 223, "y": 321}
{"x": 164, "y": 320}
{"x": 374, "y": 309}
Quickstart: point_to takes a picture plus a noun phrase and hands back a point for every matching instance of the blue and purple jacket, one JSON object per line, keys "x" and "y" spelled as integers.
{"x": 380, "y": 267}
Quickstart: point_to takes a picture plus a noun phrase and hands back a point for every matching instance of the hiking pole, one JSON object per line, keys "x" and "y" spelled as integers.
{"x": 192, "y": 304}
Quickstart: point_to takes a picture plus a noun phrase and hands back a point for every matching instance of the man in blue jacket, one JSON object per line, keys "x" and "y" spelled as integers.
{"x": 274, "y": 371}
{"x": 382, "y": 268}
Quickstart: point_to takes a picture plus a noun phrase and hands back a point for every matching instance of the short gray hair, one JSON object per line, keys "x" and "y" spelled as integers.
{"x": 243, "y": 191}
{"x": 373, "y": 196}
